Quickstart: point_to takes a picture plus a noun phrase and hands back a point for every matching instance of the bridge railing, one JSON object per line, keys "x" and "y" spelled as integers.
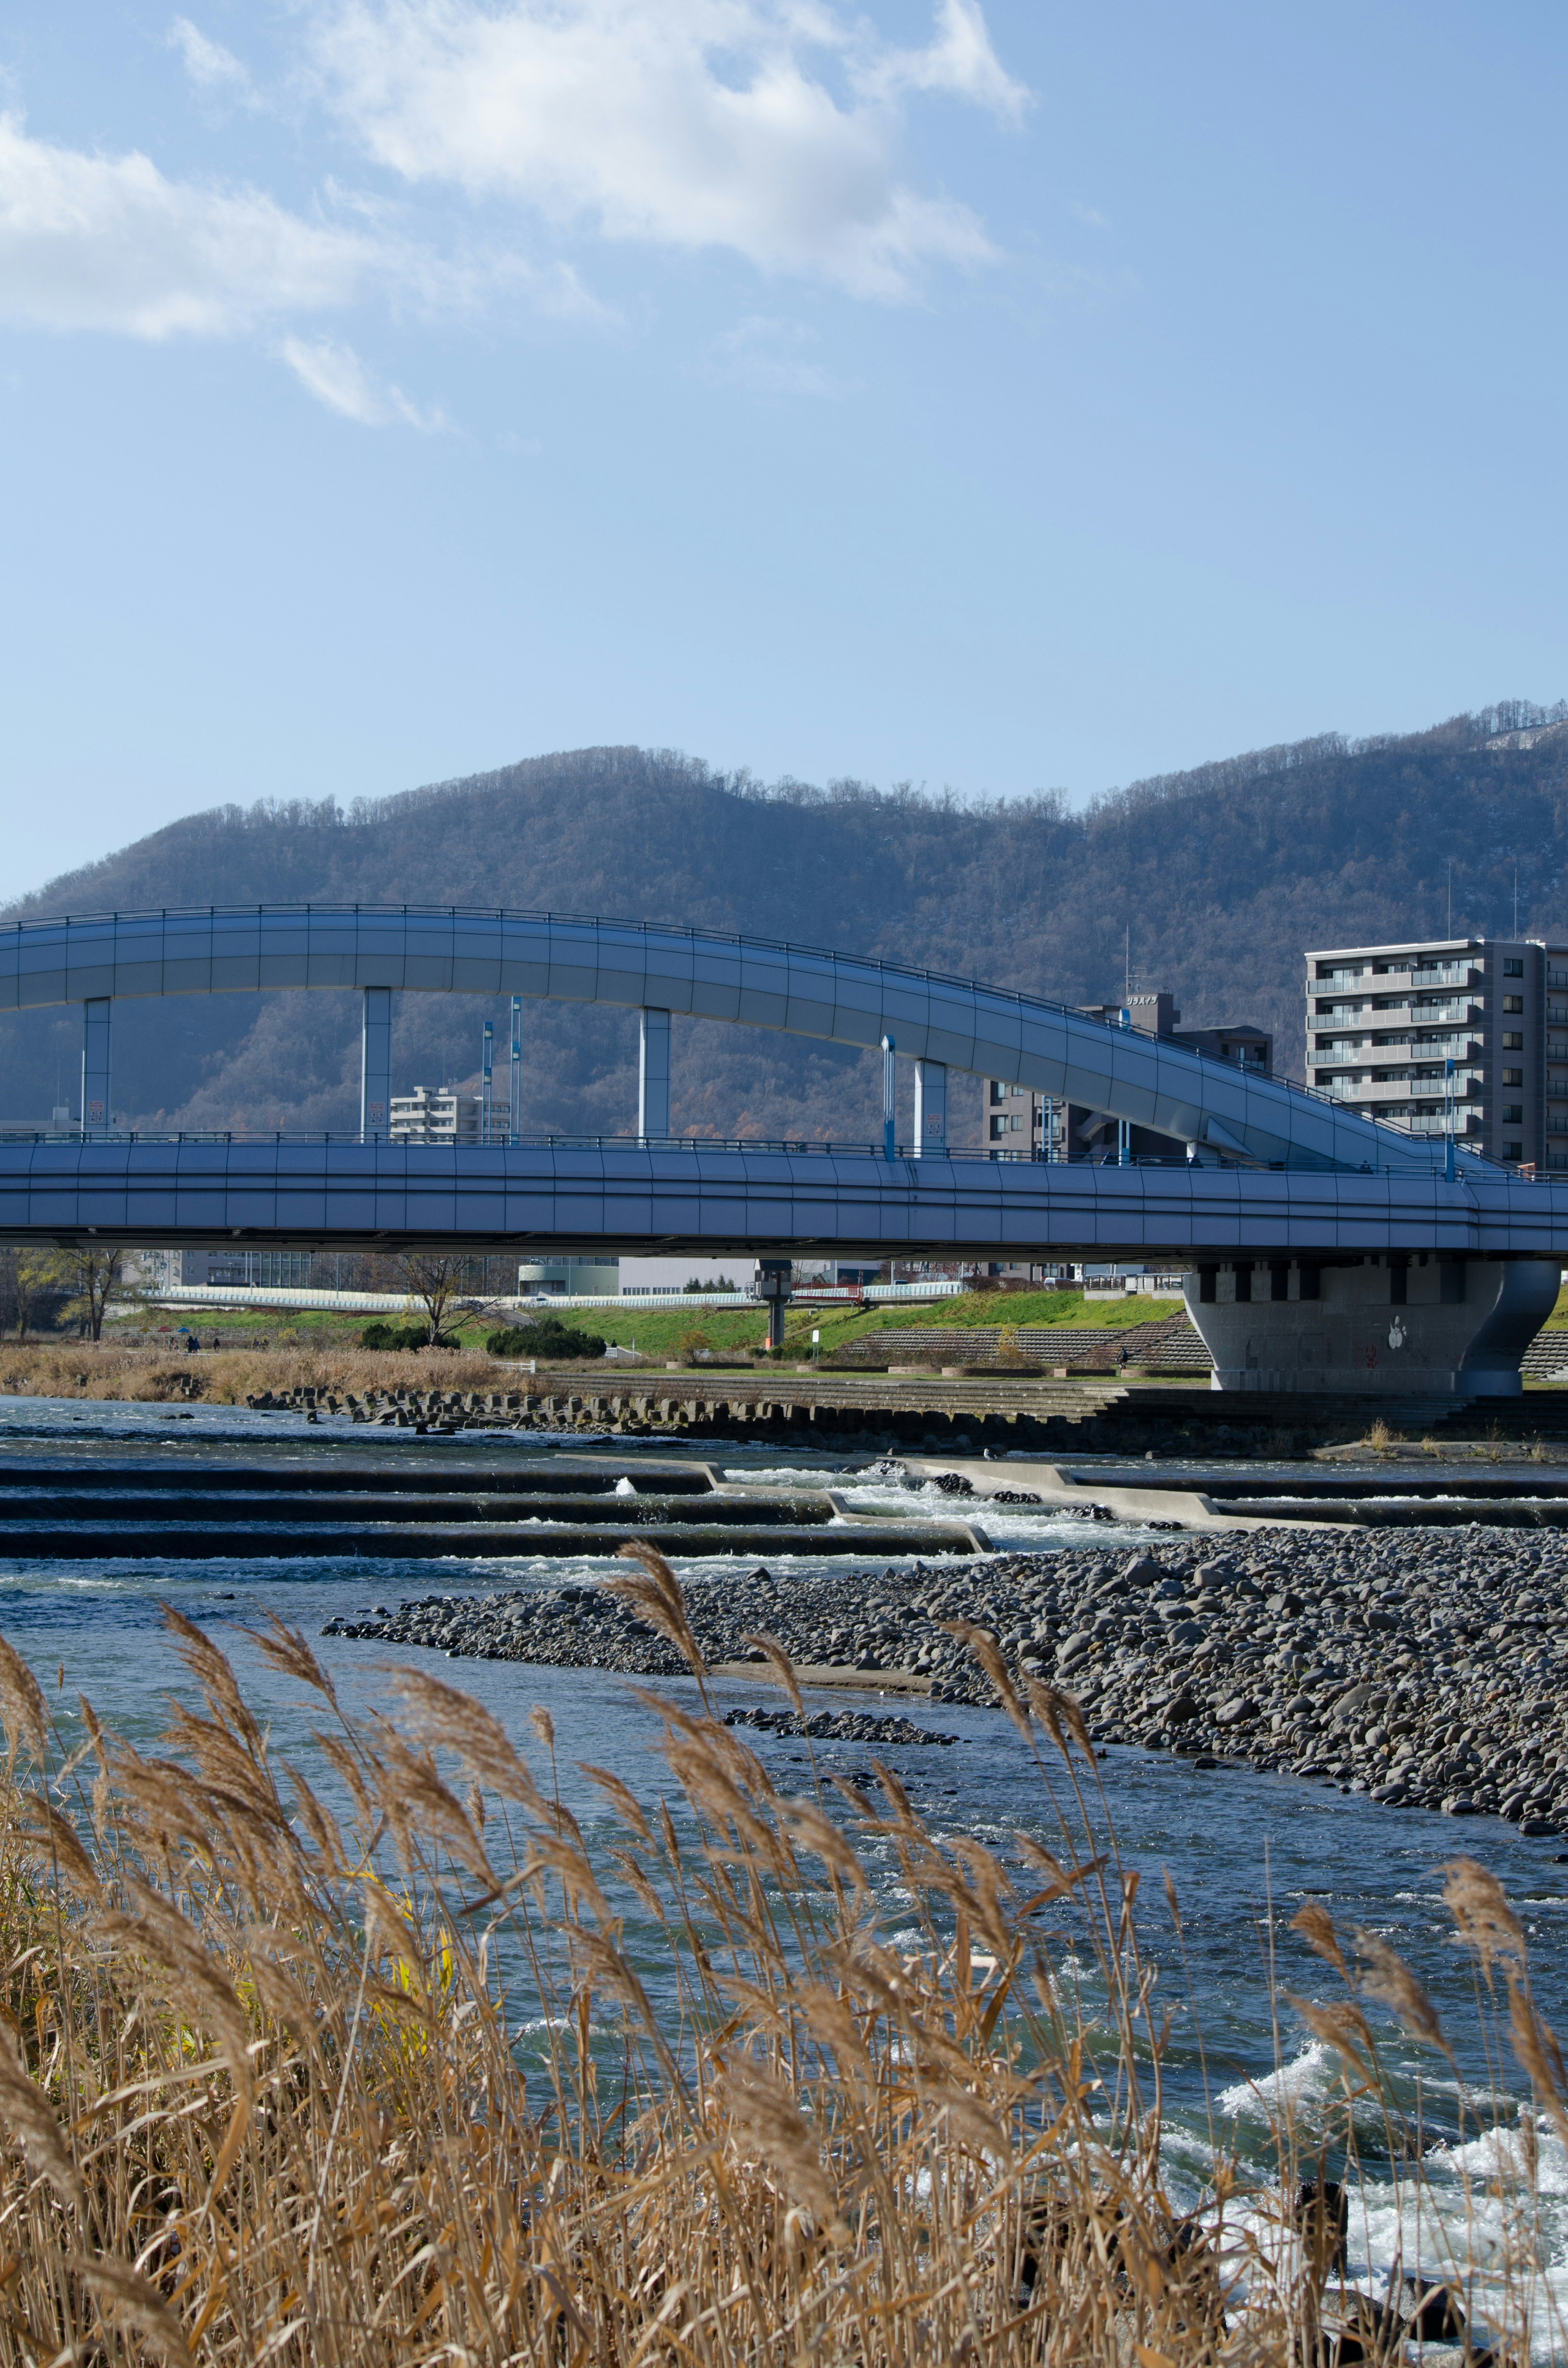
{"x": 101, "y": 1138}
{"x": 1317, "y": 1095}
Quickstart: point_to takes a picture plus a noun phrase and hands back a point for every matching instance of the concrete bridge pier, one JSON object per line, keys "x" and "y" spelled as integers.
{"x": 1397, "y": 1323}
{"x": 930, "y": 1107}
{"x": 653, "y": 1077}
{"x": 375, "y": 1066}
{"x": 95, "y": 1064}
{"x": 774, "y": 1277}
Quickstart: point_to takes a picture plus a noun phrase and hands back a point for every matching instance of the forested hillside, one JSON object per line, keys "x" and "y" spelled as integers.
{"x": 1222, "y": 876}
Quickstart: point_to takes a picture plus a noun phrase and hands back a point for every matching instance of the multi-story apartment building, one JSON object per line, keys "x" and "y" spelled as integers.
{"x": 1021, "y": 1124}
{"x": 428, "y": 1116}
{"x": 1384, "y": 1023}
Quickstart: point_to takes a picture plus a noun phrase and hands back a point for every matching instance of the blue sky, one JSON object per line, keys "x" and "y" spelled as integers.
{"x": 1034, "y": 396}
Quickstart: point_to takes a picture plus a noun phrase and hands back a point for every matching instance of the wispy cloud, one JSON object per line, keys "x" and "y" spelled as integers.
{"x": 772, "y": 357}
{"x": 959, "y": 61}
{"x": 335, "y": 374}
{"x": 1090, "y": 216}
{"x": 687, "y": 123}
{"x": 213, "y": 70}
{"x": 92, "y": 241}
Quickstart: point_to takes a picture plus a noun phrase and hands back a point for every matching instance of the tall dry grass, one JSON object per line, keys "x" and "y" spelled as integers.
{"x": 228, "y": 1377}
{"x": 441, "y": 2073}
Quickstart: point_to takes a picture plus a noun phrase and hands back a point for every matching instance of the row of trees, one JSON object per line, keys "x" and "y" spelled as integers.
{"x": 43, "y": 1288}
{"x": 78, "y": 1286}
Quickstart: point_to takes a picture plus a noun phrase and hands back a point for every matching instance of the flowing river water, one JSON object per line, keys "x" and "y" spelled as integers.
{"x": 1242, "y": 1849}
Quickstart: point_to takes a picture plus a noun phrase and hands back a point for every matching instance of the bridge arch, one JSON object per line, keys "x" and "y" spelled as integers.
{"x": 940, "y": 1022}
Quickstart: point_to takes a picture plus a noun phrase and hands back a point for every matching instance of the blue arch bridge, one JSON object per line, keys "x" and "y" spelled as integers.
{"x": 1322, "y": 1251}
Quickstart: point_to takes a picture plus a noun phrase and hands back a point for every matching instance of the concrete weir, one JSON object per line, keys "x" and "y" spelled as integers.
{"x": 1395, "y": 1323}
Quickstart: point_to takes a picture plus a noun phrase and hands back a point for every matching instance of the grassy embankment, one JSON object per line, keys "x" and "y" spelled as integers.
{"x": 382, "y": 2060}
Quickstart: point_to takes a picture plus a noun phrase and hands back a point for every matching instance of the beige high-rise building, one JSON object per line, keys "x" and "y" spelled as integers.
{"x": 1383, "y": 1022}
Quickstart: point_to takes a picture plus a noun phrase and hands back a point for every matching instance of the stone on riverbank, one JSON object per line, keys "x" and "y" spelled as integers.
{"x": 1420, "y": 1667}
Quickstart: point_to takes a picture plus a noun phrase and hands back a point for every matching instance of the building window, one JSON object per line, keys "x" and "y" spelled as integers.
{"x": 1513, "y": 967}
{"x": 1513, "y": 1003}
{"x": 998, "y": 1126}
{"x": 1512, "y": 1076}
{"x": 1513, "y": 1043}
{"x": 998, "y": 1090}
{"x": 1513, "y": 1113}
{"x": 1513, "y": 1151}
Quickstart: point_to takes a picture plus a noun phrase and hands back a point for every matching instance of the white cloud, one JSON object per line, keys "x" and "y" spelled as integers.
{"x": 1090, "y": 216}
{"x": 215, "y": 70}
{"x": 772, "y": 357}
{"x": 691, "y": 123}
{"x": 961, "y": 60}
{"x": 336, "y": 376}
{"x": 90, "y": 242}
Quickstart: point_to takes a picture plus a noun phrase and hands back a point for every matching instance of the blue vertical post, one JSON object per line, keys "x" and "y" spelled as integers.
{"x": 487, "y": 1082}
{"x": 95, "y": 1064}
{"x": 653, "y": 1077}
{"x": 514, "y": 1104}
{"x": 1449, "y": 1121}
{"x": 1124, "y": 1143}
{"x": 890, "y": 1081}
{"x": 375, "y": 1066}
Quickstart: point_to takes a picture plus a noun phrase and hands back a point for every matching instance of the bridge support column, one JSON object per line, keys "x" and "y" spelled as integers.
{"x": 774, "y": 1277}
{"x": 653, "y": 1076}
{"x": 931, "y": 1107}
{"x": 95, "y": 1066}
{"x": 1408, "y": 1324}
{"x": 375, "y": 1064}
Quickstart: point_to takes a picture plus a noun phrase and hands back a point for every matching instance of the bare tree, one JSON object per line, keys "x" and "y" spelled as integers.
{"x": 95, "y": 1279}
{"x": 433, "y": 1279}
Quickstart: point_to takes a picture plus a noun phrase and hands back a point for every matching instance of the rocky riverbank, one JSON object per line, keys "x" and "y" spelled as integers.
{"x": 1419, "y": 1667}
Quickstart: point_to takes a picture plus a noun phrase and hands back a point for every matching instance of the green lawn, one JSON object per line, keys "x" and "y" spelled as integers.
{"x": 660, "y": 1332}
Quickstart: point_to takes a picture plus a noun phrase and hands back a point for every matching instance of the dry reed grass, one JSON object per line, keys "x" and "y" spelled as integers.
{"x": 439, "y": 2075}
{"x": 228, "y": 1377}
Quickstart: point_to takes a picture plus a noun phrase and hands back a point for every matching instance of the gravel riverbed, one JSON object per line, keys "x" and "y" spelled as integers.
{"x": 1419, "y": 1667}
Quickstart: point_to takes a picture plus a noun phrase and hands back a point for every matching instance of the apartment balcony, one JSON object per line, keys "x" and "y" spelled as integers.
{"x": 1456, "y": 973}
{"x": 1409, "y": 1084}
{"x": 1367, "y": 1048}
{"x": 1454, "y": 1013}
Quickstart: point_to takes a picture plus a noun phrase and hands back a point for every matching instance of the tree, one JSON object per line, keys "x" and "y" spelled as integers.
{"x": 95, "y": 1279}
{"x": 28, "y": 1277}
{"x": 433, "y": 1279}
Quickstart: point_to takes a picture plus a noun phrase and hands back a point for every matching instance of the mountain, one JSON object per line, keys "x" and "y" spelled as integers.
{"x": 1218, "y": 878}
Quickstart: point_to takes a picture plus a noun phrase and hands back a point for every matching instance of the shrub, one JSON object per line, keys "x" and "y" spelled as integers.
{"x": 400, "y": 1336}
{"x": 548, "y": 1338}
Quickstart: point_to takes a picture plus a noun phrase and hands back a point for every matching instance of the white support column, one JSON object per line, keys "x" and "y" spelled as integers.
{"x": 375, "y": 1066}
{"x": 95, "y": 1065}
{"x": 653, "y": 1077}
{"x": 931, "y": 1109}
